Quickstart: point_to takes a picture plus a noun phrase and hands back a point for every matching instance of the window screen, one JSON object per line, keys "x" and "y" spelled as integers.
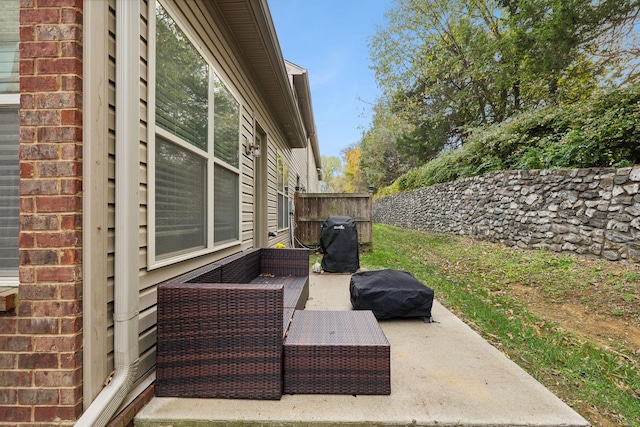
{"x": 180, "y": 199}
{"x": 226, "y": 215}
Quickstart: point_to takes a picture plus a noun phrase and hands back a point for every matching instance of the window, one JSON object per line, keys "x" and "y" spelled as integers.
{"x": 283, "y": 194}
{"x": 196, "y": 164}
{"x": 181, "y": 184}
{"x": 9, "y": 142}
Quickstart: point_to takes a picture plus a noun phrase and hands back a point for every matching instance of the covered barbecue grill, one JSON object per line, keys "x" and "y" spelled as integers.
{"x": 339, "y": 244}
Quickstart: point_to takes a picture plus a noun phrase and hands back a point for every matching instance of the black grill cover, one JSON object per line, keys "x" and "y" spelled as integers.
{"x": 390, "y": 293}
{"x": 339, "y": 244}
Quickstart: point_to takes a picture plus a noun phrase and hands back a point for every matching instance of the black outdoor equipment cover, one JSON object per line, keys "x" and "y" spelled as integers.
{"x": 339, "y": 244}
{"x": 390, "y": 293}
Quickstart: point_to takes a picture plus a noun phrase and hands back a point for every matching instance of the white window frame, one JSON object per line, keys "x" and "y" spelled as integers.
{"x": 154, "y": 262}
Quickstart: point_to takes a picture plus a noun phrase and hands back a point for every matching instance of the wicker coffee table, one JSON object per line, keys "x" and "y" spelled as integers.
{"x": 336, "y": 352}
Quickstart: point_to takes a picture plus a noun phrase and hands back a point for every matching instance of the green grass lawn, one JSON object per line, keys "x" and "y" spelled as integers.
{"x": 473, "y": 280}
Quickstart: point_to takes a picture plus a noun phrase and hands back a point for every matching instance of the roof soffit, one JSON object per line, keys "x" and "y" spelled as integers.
{"x": 249, "y": 23}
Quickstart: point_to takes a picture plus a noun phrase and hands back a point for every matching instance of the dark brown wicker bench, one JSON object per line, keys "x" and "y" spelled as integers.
{"x": 221, "y": 327}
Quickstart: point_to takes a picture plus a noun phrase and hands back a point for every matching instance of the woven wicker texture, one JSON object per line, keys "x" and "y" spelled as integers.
{"x": 252, "y": 264}
{"x": 336, "y": 352}
{"x": 210, "y": 273}
{"x": 240, "y": 268}
{"x": 220, "y": 340}
{"x": 288, "y": 262}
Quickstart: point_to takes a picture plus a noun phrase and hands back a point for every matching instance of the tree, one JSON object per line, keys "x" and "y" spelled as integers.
{"x": 452, "y": 65}
{"x": 332, "y": 175}
{"x": 556, "y": 40}
{"x": 354, "y": 178}
{"x": 442, "y": 64}
{"x": 380, "y": 160}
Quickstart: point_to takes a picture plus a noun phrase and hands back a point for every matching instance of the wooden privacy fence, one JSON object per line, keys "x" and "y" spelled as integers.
{"x": 312, "y": 209}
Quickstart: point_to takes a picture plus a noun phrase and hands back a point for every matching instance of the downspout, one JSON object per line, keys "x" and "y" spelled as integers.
{"x": 125, "y": 315}
{"x": 309, "y": 148}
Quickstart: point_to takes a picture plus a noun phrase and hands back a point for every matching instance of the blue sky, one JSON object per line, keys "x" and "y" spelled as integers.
{"x": 329, "y": 38}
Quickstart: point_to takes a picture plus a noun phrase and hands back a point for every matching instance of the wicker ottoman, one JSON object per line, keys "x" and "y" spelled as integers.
{"x": 336, "y": 352}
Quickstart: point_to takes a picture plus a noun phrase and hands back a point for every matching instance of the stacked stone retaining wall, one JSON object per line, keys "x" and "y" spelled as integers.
{"x": 592, "y": 212}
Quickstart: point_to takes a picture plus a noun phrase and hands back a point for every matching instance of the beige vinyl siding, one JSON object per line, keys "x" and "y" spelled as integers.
{"x": 246, "y": 176}
{"x": 147, "y": 295}
{"x": 147, "y": 317}
{"x": 314, "y": 182}
{"x": 202, "y": 27}
{"x": 272, "y": 197}
{"x": 300, "y": 156}
{"x": 111, "y": 185}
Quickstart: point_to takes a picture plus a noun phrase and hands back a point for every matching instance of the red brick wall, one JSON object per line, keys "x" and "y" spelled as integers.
{"x": 41, "y": 340}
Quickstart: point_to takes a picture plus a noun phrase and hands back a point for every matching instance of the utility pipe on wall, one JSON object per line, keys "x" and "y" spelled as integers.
{"x": 125, "y": 316}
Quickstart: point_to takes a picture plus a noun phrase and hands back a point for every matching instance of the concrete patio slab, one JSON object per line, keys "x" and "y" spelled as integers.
{"x": 441, "y": 374}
